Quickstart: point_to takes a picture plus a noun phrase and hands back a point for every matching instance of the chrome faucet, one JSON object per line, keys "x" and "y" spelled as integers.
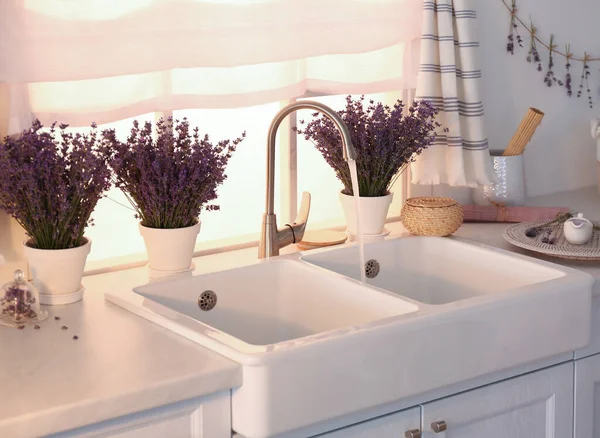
{"x": 273, "y": 239}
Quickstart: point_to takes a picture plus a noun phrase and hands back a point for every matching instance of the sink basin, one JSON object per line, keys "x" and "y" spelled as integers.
{"x": 436, "y": 270}
{"x": 292, "y": 327}
{"x": 316, "y": 345}
{"x": 271, "y": 303}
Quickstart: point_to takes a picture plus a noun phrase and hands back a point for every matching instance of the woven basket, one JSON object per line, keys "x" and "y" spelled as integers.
{"x": 432, "y": 216}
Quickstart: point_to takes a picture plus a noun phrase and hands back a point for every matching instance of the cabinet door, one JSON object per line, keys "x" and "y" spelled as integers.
{"x": 536, "y": 405}
{"x": 587, "y": 397}
{"x": 390, "y": 426}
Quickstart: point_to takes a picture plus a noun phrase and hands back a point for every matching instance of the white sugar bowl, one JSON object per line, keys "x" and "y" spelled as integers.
{"x": 578, "y": 230}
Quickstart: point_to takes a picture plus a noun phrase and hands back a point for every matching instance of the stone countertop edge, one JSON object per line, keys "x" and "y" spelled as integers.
{"x": 87, "y": 412}
{"x": 58, "y": 383}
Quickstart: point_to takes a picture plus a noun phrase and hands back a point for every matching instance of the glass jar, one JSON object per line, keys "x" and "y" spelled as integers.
{"x": 20, "y": 302}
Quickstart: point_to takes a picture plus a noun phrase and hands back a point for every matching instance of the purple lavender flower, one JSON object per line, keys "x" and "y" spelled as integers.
{"x": 510, "y": 45}
{"x": 536, "y": 57}
{"x": 171, "y": 179}
{"x": 386, "y": 141}
{"x": 50, "y": 185}
{"x": 519, "y": 39}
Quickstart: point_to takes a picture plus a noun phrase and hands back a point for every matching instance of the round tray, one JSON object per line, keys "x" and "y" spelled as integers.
{"x": 515, "y": 234}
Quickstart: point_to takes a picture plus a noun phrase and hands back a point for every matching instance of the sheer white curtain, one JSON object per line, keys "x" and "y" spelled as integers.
{"x": 106, "y": 60}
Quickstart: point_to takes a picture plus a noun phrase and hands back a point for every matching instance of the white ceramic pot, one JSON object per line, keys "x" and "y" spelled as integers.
{"x": 373, "y": 212}
{"x": 170, "y": 249}
{"x": 57, "y": 272}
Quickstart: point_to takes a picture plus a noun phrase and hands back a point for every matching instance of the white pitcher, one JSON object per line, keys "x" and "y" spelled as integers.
{"x": 578, "y": 230}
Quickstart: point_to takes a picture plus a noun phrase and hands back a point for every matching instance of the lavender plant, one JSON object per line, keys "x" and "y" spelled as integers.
{"x": 170, "y": 179}
{"x": 386, "y": 141}
{"x": 51, "y": 185}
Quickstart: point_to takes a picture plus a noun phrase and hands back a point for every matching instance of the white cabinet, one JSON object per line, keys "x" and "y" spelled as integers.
{"x": 594, "y": 346}
{"x": 587, "y": 397}
{"x": 390, "y": 426}
{"x": 208, "y": 417}
{"x": 536, "y": 405}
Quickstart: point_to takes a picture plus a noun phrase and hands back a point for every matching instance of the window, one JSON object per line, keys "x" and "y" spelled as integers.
{"x": 232, "y": 63}
{"x": 115, "y": 235}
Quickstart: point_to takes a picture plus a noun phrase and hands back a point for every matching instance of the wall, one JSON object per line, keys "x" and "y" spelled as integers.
{"x": 562, "y": 153}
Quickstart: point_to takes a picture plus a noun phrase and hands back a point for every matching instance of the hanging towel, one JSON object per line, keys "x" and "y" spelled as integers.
{"x": 449, "y": 78}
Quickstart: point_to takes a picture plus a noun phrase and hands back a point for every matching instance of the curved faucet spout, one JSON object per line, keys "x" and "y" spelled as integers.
{"x": 349, "y": 152}
{"x": 272, "y": 239}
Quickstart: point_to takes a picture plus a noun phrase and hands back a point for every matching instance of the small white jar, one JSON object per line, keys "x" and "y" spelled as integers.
{"x": 578, "y": 230}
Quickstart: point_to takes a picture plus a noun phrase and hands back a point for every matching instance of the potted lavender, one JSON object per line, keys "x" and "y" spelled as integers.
{"x": 386, "y": 142}
{"x": 169, "y": 180}
{"x": 51, "y": 184}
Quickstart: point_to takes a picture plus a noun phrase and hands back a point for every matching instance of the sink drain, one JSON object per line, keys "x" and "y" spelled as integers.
{"x": 372, "y": 268}
{"x": 207, "y": 300}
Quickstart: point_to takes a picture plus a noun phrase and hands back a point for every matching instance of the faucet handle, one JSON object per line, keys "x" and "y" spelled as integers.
{"x": 296, "y": 229}
{"x": 302, "y": 215}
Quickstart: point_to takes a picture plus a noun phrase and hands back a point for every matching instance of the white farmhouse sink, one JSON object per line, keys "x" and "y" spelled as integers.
{"x": 280, "y": 319}
{"x": 437, "y": 270}
{"x": 317, "y": 345}
{"x": 268, "y": 304}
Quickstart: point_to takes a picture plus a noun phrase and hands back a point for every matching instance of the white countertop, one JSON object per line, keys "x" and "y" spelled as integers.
{"x": 586, "y": 201}
{"x": 123, "y": 364}
{"x": 119, "y": 364}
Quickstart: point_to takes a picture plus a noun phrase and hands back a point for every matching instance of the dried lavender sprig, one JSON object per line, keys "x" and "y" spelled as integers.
{"x": 549, "y": 79}
{"x": 568, "y": 84}
{"x": 510, "y": 45}
{"x": 560, "y": 219}
{"x": 585, "y": 75}
{"x": 587, "y": 70}
{"x": 519, "y": 38}
{"x": 533, "y": 54}
{"x": 582, "y": 79}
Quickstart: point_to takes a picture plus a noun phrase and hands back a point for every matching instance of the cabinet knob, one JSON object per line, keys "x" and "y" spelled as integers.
{"x": 413, "y": 433}
{"x": 439, "y": 426}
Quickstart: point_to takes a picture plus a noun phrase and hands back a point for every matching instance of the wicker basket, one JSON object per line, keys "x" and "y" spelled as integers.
{"x": 432, "y": 216}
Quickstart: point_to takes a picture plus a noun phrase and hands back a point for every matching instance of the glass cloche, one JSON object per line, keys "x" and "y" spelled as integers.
{"x": 20, "y": 302}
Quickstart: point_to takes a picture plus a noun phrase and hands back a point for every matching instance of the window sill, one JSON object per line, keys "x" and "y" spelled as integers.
{"x": 137, "y": 260}
{"x": 202, "y": 249}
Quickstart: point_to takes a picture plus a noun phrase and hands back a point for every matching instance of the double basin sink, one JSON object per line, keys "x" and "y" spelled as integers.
{"x": 316, "y": 343}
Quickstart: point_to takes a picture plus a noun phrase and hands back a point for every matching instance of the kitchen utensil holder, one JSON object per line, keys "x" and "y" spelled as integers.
{"x": 509, "y": 188}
